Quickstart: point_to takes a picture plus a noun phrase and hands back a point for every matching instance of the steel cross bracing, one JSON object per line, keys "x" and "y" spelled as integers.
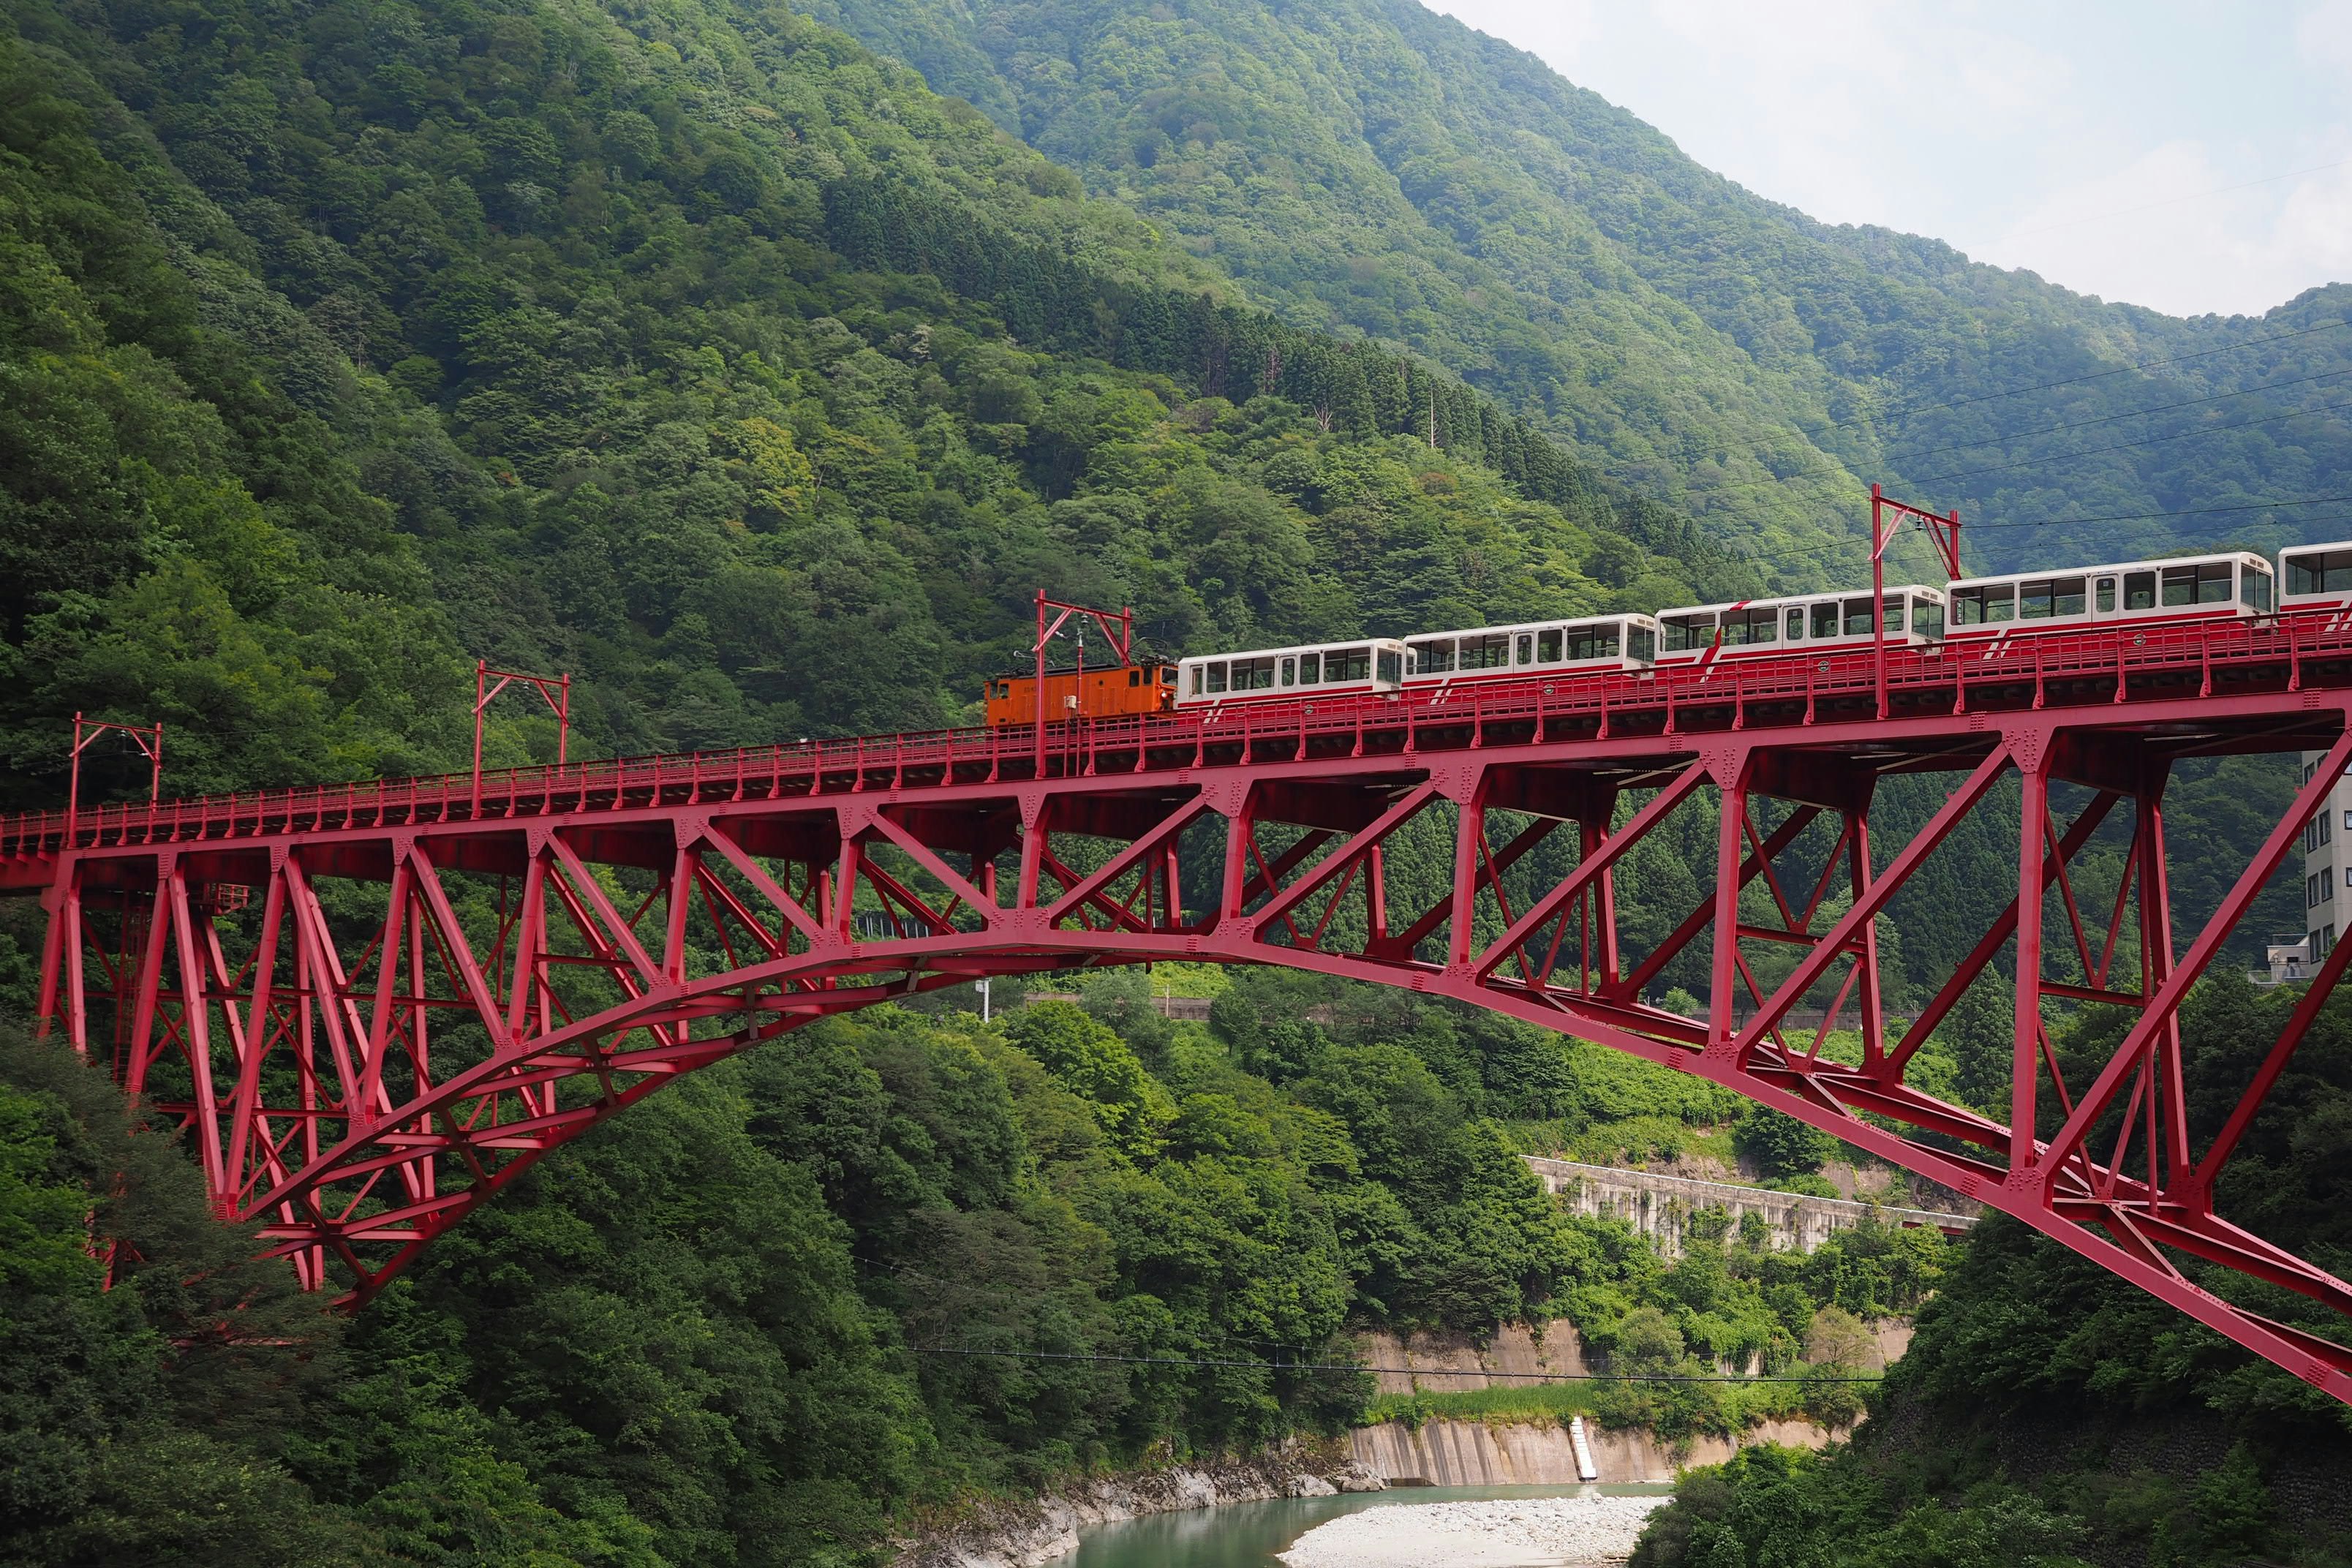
{"x": 371, "y": 1007}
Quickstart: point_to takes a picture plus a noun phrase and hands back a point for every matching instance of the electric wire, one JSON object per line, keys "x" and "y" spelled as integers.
{"x": 1355, "y": 1366}
{"x": 2125, "y": 445}
{"x": 2126, "y": 369}
{"x": 2112, "y": 419}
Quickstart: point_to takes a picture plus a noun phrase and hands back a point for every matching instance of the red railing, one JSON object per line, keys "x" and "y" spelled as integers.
{"x": 1972, "y": 673}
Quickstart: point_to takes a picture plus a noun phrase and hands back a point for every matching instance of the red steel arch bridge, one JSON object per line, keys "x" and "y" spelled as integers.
{"x": 373, "y": 1006}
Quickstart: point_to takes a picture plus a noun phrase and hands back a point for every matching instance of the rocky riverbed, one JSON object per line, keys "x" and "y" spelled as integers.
{"x": 1531, "y": 1532}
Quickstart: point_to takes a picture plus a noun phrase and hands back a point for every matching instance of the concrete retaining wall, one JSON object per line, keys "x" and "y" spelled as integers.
{"x": 1482, "y": 1454}
{"x": 1660, "y": 1206}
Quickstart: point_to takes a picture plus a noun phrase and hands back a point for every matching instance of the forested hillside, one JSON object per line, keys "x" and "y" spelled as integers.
{"x": 695, "y": 350}
{"x": 1368, "y": 164}
{"x": 2047, "y": 1414}
{"x": 702, "y": 356}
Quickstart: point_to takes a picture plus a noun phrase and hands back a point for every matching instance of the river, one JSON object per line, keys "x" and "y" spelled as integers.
{"x": 1248, "y": 1534}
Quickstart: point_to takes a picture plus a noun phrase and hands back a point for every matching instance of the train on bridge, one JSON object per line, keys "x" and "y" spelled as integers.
{"x": 1984, "y": 616}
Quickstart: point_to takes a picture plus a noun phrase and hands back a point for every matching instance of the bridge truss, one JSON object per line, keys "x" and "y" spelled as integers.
{"x": 373, "y": 1006}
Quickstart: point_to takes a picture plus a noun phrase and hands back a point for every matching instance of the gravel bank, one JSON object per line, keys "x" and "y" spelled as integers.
{"x": 1531, "y": 1532}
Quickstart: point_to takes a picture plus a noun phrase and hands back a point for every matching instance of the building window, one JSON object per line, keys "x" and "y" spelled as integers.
{"x": 2326, "y": 884}
{"x": 2311, "y": 891}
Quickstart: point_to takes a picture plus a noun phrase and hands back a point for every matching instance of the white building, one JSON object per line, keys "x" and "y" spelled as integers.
{"x": 2326, "y": 865}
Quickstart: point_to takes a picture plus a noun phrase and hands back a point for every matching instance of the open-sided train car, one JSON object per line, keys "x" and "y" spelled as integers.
{"x": 2317, "y": 577}
{"x": 1279, "y": 674}
{"x": 2237, "y": 585}
{"x": 1703, "y": 634}
{"x": 1447, "y": 659}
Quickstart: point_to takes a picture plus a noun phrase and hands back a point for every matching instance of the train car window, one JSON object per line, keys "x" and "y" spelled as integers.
{"x": 1390, "y": 666}
{"x": 1741, "y": 627}
{"x": 2070, "y": 599}
{"x": 1893, "y": 612}
{"x": 2140, "y": 589}
{"x": 1490, "y": 651}
{"x": 1796, "y": 622}
{"x": 2255, "y": 586}
{"x": 1526, "y": 648}
{"x": 1926, "y": 617}
{"x": 1254, "y": 674}
{"x": 1825, "y": 619}
{"x": 1289, "y": 671}
{"x": 2319, "y": 572}
{"x": 1688, "y": 632}
{"x": 2104, "y": 595}
{"x": 1310, "y": 669}
{"x": 1548, "y": 646}
{"x": 2035, "y": 599}
{"x": 2179, "y": 585}
{"x": 1642, "y": 644}
{"x": 2213, "y": 582}
{"x": 1978, "y": 606}
{"x": 1433, "y": 657}
{"x": 1216, "y": 673}
{"x": 1346, "y": 663}
{"x": 1857, "y": 618}
{"x": 1593, "y": 643}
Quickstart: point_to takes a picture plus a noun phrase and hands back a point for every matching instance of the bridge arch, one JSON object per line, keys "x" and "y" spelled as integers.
{"x": 373, "y": 1007}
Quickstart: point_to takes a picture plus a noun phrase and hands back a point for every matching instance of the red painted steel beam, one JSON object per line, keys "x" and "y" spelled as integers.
{"x": 554, "y": 1016}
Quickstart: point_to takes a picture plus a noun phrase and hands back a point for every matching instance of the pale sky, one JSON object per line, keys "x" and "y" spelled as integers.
{"x": 2193, "y": 158}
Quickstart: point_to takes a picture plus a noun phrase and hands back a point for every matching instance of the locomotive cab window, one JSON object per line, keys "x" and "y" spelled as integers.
{"x": 1135, "y": 678}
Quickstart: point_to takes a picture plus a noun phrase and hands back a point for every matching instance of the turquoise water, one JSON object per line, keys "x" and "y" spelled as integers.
{"x": 1248, "y": 1534}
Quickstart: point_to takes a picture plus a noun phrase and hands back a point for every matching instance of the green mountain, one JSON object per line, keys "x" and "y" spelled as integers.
{"x": 701, "y": 354}
{"x": 1367, "y": 166}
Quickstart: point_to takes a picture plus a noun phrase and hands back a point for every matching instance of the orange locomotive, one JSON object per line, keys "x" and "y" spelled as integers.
{"x": 1114, "y": 690}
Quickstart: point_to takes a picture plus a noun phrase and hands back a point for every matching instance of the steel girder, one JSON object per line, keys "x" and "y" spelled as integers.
{"x": 367, "y": 1029}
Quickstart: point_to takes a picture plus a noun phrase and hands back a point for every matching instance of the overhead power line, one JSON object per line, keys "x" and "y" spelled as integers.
{"x": 2127, "y": 446}
{"x": 2127, "y": 369}
{"x": 1354, "y": 1366}
{"x": 2112, "y": 418}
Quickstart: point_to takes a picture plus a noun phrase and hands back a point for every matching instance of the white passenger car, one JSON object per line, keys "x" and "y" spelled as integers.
{"x": 1537, "y": 647}
{"x": 2315, "y": 577}
{"x": 1705, "y": 633}
{"x": 2190, "y": 588}
{"x": 1282, "y": 674}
